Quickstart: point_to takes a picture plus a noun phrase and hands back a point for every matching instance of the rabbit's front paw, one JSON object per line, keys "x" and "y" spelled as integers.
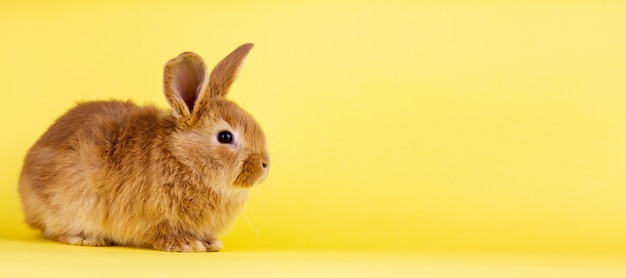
{"x": 186, "y": 244}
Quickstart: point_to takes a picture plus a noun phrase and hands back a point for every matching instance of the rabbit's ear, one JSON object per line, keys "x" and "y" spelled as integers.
{"x": 185, "y": 82}
{"x": 225, "y": 73}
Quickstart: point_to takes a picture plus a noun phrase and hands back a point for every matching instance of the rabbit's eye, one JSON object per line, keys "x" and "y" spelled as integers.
{"x": 225, "y": 137}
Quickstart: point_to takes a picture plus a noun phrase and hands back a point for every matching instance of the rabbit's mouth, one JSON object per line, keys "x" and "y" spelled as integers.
{"x": 254, "y": 170}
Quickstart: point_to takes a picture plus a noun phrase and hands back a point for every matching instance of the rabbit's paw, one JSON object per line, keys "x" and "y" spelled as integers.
{"x": 80, "y": 239}
{"x": 186, "y": 244}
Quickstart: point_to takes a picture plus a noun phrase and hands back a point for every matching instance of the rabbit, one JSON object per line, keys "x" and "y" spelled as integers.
{"x": 115, "y": 173}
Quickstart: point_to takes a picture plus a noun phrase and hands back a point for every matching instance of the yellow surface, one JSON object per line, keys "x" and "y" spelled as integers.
{"x": 394, "y": 126}
{"x": 27, "y": 259}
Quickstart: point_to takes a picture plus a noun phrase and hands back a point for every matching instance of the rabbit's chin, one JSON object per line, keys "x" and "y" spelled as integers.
{"x": 245, "y": 183}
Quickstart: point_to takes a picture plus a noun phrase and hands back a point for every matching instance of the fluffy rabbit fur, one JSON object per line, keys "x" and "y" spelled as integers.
{"x": 114, "y": 173}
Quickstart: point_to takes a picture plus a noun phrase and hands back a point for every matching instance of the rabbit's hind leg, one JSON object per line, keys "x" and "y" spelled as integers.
{"x": 78, "y": 239}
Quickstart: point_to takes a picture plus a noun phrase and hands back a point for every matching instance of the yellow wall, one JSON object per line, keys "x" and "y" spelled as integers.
{"x": 471, "y": 125}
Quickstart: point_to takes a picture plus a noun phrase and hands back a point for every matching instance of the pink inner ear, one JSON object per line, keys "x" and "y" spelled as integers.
{"x": 187, "y": 85}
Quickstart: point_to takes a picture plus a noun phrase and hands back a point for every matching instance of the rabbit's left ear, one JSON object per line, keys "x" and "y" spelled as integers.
{"x": 185, "y": 82}
{"x": 225, "y": 73}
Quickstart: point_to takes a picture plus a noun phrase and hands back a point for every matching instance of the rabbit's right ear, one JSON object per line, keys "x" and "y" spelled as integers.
{"x": 185, "y": 81}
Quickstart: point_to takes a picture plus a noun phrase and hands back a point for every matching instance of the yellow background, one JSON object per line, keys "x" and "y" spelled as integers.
{"x": 394, "y": 126}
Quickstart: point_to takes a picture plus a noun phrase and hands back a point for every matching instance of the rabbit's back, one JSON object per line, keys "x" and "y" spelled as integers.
{"x": 65, "y": 171}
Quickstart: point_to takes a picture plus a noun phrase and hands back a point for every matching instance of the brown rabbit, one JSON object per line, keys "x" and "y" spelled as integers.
{"x": 114, "y": 173}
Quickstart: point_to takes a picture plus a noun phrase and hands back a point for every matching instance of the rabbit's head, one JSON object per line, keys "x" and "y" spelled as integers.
{"x": 214, "y": 136}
